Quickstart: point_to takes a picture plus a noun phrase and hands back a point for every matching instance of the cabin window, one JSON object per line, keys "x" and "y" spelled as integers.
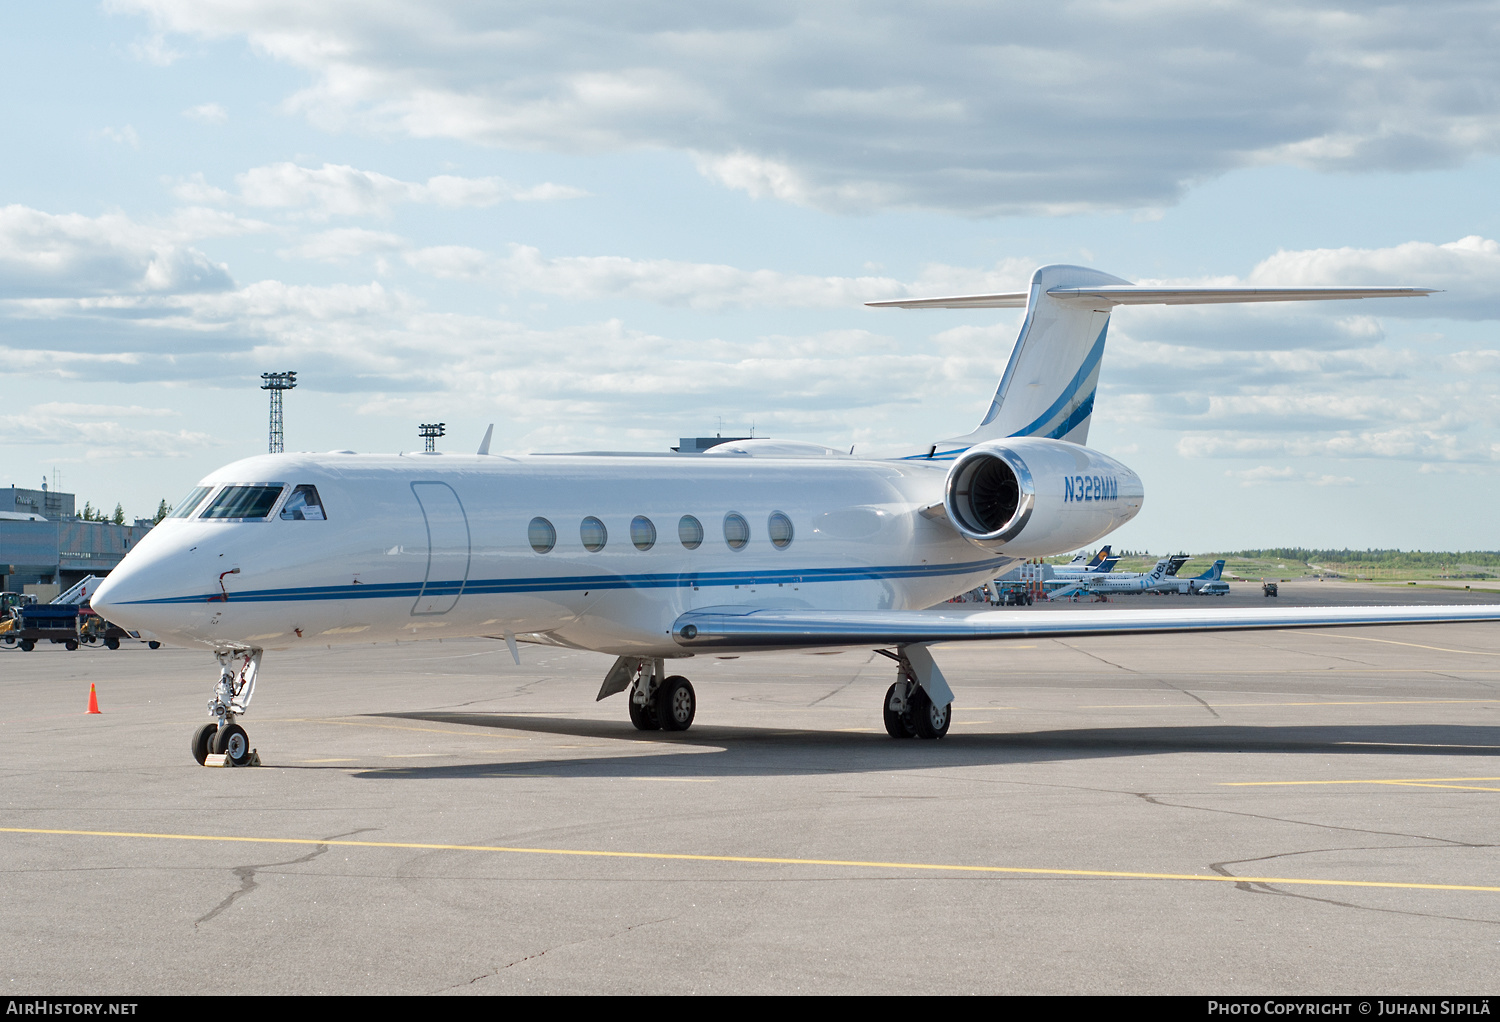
{"x": 243, "y": 502}
{"x": 541, "y": 535}
{"x": 780, "y": 527}
{"x": 736, "y": 530}
{"x": 303, "y": 506}
{"x": 690, "y": 531}
{"x": 642, "y": 532}
{"x": 593, "y": 534}
{"x": 189, "y": 504}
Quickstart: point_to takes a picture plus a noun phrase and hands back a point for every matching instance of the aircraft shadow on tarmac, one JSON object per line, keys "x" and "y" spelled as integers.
{"x": 749, "y": 751}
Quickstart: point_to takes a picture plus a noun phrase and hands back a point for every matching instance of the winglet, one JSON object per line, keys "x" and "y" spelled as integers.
{"x": 484, "y": 445}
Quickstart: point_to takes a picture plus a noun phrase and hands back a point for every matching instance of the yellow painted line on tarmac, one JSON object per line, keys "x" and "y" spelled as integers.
{"x": 1416, "y": 782}
{"x": 1416, "y": 645}
{"x": 1102, "y": 874}
{"x": 1363, "y": 702}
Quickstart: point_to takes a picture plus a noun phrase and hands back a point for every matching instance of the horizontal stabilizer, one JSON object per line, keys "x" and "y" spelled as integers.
{"x": 745, "y": 629}
{"x": 1131, "y": 294}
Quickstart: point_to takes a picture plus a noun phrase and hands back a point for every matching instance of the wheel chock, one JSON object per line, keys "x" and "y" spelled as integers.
{"x": 221, "y": 759}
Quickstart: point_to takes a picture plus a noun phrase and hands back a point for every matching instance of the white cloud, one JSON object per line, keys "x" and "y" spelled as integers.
{"x": 341, "y": 190}
{"x": 124, "y": 136}
{"x": 153, "y": 49}
{"x": 345, "y": 243}
{"x": 1466, "y": 270}
{"x": 1254, "y": 477}
{"x": 704, "y": 286}
{"x": 972, "y": 108}
{"x": 1405, "y": 444}
{"x": 74, "y": 410}
{"x": 102, "y": 438}
{"x": 44, "y": 254}
{"x": 208, "y": 113}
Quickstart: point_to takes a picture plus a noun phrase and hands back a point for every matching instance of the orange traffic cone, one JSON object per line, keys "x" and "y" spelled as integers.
{"x": 93, "y": 699}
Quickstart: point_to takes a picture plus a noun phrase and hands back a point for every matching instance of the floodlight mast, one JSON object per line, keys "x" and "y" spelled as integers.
{"x": 276, "y": 383}
{"x": 429, "y": 432}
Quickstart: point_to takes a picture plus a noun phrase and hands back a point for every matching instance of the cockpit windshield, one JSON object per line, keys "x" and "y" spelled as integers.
{"x": 243, "y": 502}
{"x": 187, "y": 505}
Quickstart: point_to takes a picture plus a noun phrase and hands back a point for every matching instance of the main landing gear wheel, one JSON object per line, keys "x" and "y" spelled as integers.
{"x": 112, "y": 643}
{"x": 203, "y": 742}
{"x": 928, "y": 720}
{"x": 231, "y": 741}
{"x": 897, "y": 723}
{"x": 643, "y": 717}
{"x": 676, "y": 704}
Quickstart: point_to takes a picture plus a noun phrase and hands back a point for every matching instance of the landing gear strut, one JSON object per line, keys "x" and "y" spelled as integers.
{"x": 909, "y": 711}
{"x": 660, "y": 703}
{"x": 237, "y": 670}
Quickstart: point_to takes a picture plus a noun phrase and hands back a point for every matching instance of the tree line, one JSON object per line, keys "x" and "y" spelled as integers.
{"x": 92, "y": 514}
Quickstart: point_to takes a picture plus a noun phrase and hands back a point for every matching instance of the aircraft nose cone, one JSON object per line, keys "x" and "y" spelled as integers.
{"x": 112, "y": 592}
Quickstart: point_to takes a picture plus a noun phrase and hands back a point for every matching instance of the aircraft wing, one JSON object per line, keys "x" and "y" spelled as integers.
{"x": 744, "y": 628}
{"x": 1131, "y": 294}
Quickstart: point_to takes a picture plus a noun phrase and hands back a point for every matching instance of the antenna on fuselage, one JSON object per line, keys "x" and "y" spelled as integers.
{"x": 429, "y": 432}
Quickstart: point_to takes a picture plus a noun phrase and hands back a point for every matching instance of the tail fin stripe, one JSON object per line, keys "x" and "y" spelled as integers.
{"x": 1060, "y": 407}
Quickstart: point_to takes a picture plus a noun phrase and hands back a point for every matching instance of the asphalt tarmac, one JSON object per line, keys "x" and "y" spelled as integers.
{"x": 1278, "y": 812}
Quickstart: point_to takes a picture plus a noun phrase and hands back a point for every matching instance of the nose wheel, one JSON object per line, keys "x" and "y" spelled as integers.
{"x": 223, "y": 739}
{"x": 203, "y": 742}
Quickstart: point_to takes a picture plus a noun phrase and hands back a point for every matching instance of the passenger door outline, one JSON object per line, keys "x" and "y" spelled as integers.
{"x": 449, "y": 548}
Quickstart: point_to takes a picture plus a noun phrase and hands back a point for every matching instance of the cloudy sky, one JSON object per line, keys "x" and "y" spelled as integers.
{"x": 607, "y": 226}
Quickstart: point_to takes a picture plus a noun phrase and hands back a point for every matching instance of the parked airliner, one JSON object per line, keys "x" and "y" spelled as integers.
{"x": 1115, "y": 582}
{"x": 755, "y": 545}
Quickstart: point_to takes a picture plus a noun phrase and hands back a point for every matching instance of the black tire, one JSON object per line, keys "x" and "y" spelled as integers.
{"x": 232, "y": 741}
{"x": 897, "y": 725}
{"x": 203, "y": 741}
{"x": 27, "y": 645}
{"x": 71, "y": 644}
{"x": 153, "y": 645}
{"x": 643, "y": 717}
{"x": 112, "y": 643}
{"x": 676, "y": 704}
{"x": 928, "y": 720}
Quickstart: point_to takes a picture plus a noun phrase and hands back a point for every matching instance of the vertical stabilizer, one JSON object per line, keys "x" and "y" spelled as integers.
{"x": 1049, "y": 385}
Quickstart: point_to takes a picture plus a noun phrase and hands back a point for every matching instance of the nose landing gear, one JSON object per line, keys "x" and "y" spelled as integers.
{"x": 225, "y": 743}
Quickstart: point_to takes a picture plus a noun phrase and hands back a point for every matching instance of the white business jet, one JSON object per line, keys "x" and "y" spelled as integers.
{"x": 756, "y": 545}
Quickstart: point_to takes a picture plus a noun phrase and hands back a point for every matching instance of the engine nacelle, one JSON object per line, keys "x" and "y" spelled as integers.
{"x": 1032, "y": 497}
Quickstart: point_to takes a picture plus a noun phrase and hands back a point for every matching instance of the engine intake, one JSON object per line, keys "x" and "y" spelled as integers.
{"x": 990, "y": 494}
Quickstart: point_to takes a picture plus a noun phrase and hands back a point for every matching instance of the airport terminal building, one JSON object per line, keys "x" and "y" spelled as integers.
{"x": 45, "y": 547}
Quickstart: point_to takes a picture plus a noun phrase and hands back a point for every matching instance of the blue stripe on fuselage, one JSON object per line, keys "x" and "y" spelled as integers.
{"x": 574, "y": 583}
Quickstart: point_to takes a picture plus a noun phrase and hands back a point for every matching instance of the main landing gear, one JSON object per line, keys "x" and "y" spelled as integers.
{"x": 224, "y": 739}
{"x": 909, "y": 711}
{"x": 656, "y": 702}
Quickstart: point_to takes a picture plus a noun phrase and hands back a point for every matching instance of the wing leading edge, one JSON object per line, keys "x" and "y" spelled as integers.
{"x": 739, "y": 628}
